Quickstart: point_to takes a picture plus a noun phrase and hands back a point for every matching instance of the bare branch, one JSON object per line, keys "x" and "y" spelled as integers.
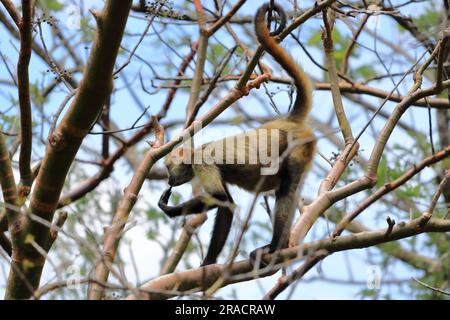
{"x": 26, "y": 134}
{"x": 195, "y": 279}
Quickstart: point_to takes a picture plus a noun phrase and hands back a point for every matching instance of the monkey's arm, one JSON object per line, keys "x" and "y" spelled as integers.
{"x": 198, "y": 204}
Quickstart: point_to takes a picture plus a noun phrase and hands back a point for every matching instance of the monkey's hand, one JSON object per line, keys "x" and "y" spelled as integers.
{"x": 165, "y": 197}
{"x": 198, "y": 204}
{"x": 164, "y": 200}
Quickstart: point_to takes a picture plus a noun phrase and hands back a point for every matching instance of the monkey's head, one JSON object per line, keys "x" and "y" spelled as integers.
{"x": 179, "y": 166}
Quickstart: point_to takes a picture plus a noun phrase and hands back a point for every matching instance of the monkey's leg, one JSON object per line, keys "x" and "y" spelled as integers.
{"x": 221, "y": 229}
{"x": 286, "y": 199}
{"x": 195, "y": 205}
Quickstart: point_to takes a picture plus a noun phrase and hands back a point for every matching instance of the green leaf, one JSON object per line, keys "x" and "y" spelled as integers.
{"x": 52, "y": 5}
{"x": 395, "y": 174}
{"x": 36, "y": 95}
{"x": 429, "y": 18}
{"x": 152, "y": 213}
{"x": 382, "y": 172}
{"x": 365, "y": 71}
{"x": 152, "y": 234}
{"x": 409, "y": 192}
{"x": 315, "y": 39}
{"x": 218, "y": 49}
{"x": 176, "y": 198}
{"x": 368, "y": 293}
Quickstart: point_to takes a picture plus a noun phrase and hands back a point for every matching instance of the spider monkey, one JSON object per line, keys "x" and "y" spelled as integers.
{"x": 294, "y": 159}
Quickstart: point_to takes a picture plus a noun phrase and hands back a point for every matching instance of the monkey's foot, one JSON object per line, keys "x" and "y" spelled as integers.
{"x": 256, "y": 256}
{"x": 207, "y": 262}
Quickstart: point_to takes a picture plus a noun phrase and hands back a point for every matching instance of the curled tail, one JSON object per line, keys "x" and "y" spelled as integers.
{"x": 303, "y": 100}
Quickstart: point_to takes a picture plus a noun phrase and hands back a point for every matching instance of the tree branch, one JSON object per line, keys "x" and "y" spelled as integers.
{"x": 13, "y": 13}
{"x": 65, "y": 141}
{"x": 195, "y": 279}
{"x": 26, "y": 126}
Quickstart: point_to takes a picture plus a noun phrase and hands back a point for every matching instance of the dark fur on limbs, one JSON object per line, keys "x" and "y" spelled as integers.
{"x": 285, "y": 204}
{"x": 195, "y": 205}
{"x": 222, "y": 223}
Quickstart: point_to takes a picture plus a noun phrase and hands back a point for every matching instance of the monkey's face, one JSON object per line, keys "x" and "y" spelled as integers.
{"x": 180, "y": 170}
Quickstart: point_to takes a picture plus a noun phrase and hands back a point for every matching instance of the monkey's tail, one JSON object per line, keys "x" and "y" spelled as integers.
{"x": 303, "y": 100}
